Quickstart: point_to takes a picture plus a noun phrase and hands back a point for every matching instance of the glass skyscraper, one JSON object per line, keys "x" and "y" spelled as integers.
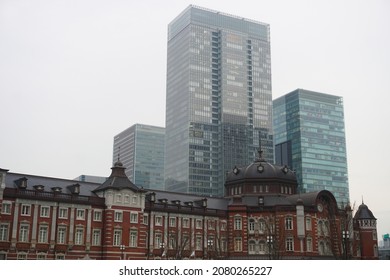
{"x": 141, "y": 150}
{"x": 219, "y": 99}
{"x": 309, "y": 137}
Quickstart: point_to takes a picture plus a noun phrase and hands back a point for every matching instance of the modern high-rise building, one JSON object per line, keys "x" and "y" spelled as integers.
{"x": 141, "y": 150}
{"x": 309, "y": 135}
{"x": 219, "y": 99}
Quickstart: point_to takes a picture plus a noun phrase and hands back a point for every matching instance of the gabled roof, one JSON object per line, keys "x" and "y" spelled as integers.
{"x": 118, "y": 180}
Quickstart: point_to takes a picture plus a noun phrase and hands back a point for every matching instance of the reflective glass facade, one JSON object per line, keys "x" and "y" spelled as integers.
{"x": 219, "y": 100}
{"x": 310, "y": 126}
{"x": 141, "y": 150}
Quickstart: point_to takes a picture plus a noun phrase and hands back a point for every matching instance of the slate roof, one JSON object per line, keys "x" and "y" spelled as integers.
{"x": 364, "y": 213}
{"x": 48, "y": 183}
{"x": 118, "y": 180}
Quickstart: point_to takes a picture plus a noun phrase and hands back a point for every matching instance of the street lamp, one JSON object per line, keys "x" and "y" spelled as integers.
{"x": 162, "y": 246}
{"x": 210, "y": 244}
{"x": 269, "y": 242}
{"x": 122, "y": 248}
{"x": 345, "y": 241}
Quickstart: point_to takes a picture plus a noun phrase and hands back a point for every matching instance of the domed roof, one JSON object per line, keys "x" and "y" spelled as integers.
{"x": 364, "y": 213}
{"x": 261, "y": 169}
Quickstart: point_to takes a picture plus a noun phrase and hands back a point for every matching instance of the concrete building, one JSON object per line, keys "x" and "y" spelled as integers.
{"x": 141, "y": 149}
{"x": 309, "y": 134}
{"x": 219, "y": 100}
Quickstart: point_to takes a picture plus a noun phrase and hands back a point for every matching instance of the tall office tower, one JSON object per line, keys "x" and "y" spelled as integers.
{"x": 309, "y": 137}
{"x": 141, "y": 150}
{"x": 219, "y": 100}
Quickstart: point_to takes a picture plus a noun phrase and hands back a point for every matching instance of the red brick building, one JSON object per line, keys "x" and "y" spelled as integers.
{"x": 261, "y": 217}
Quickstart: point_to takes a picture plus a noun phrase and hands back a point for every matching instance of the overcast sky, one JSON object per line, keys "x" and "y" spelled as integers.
{"x": 73, "y": 74}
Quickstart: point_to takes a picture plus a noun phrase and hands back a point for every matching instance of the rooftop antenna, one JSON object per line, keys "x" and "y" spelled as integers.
{"x": 119, "y": 152}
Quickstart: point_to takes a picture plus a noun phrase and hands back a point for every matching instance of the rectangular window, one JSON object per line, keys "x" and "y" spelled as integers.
{"x": 198, "y": 224}
{"x": 26, "y": 210}
{"x": 3, "y": 232}
{"x": 22, "y": 256}
{"x": 63, "y": 213}
{"x": 79, "y": 236}
{"x": 45, "y": 211}
{"x": 117, "y": 237}
{"x": 237, "y": 223}
{"x": 61, "y": 235}
{"x": 96, "y": 237}
{"x": 6, "y": 208}
{"x": 80, "y": 214}
{"x": 198, "y": 244}
{"x": 308, "y": 223}
{"x": 157, "y": 240}
{"x": 145, "y": 219}
{"x": 134, "y": 217}
{"x": 288, "y": 223}
{"x": 118, "y": 216}
{"x": 237, "y": 244}
{"x": 23, "y": 233}
{"x": 158, "y": 221}
{"x": 41, "y": 256}
{"x": 97, "y": 215}
{"x": 186, "y": 223}
{"x": 289, "y": 244}
{"x": 172, "y": 221}
{"x": 133, "y": 238}
{"x": 309, "y": 244}
{"x": 43, "y": 234}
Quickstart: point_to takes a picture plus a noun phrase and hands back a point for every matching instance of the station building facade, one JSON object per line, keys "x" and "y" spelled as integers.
{"x": 261, "y": 216}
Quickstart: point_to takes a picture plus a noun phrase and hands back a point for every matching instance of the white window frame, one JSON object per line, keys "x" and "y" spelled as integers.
{"x": 118, "y": 216}
{"x": 61, "y": 235}
{"x": 288, "y": 223}
{"x": 97, "y": 215}
{"x": 117, "y": 237}
{"x": 43, "y": 234}
{"x": 4, "y": 232}
{"x": 63, "y": 213}
{"x": 237, "y": 223}
{"x": 25, "y": 210}
{"x": 134, "y": 217}
{"x": 45, "y": 212}
{"x": 24, "y": 232}
{"x": 6, "y": 208}
{"x": 290, "y": 244}
{"x": 79, "y": 236}
{"x": 96, "y": 237}
{"x": 80, "y": 214}
{"x": 158, "y": 220}
{"x": 133, "y": 239}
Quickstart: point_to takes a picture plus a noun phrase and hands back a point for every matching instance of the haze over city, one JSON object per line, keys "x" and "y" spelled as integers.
{"x": 75, "y": 73}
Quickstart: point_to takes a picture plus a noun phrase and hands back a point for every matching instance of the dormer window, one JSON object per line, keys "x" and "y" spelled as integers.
{"x": 74, "y": 189}
{"x": 21, "y": 183}
{"x": 189, "y": 203}
{"x": 163, "y": 200}
{"x": 56, "y": 189}
{"x": 176, "y": 202}
{"x": 39, "y": 188}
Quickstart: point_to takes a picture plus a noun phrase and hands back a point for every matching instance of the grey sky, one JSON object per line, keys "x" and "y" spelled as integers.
{"x": 75, "y": 73}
